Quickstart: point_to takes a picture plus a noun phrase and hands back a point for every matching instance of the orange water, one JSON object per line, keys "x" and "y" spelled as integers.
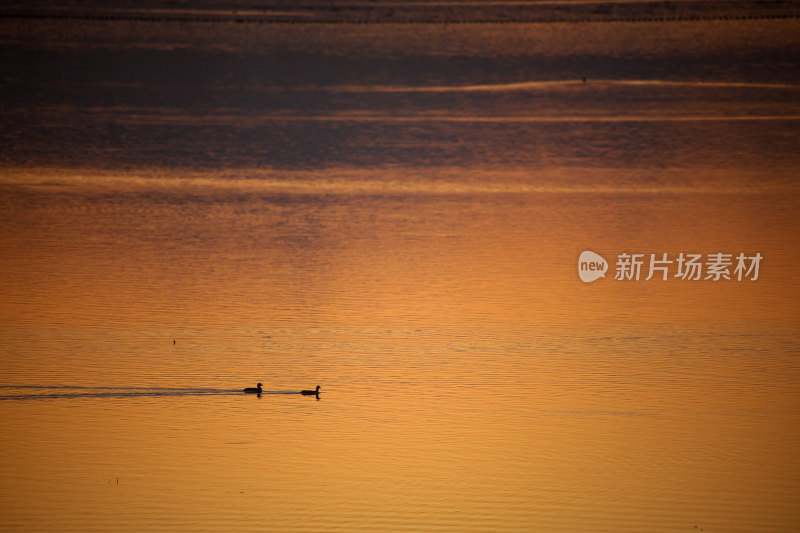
{"x": 418, "y": 263}
{"x": 470, "y": 380}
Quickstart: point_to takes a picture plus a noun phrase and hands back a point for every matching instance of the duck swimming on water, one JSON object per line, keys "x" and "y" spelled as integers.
{"x": 254, "y": 390}
{"x": 310, "y": 392}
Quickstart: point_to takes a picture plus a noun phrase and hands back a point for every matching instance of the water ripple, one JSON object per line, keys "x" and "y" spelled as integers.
{"x": 42, "y": 392}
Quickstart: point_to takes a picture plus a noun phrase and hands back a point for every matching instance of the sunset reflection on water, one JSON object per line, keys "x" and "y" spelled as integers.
{"x": 396, "y": 216}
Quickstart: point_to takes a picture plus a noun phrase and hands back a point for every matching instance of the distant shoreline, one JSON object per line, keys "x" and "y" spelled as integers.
{"x": 423, "y": 13}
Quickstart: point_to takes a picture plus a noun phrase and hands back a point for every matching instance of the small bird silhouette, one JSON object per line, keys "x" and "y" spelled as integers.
{"x": 254, "y": 390}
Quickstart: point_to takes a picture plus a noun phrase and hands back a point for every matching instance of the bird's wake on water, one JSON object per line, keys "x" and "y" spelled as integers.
{"x": 58, "y": 392}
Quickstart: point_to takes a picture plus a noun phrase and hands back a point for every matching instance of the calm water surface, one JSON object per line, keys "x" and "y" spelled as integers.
{"x": 395, "y": 212}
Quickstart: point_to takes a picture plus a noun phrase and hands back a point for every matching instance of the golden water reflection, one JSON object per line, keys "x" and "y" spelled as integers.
{"x": 470, "y": 381}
